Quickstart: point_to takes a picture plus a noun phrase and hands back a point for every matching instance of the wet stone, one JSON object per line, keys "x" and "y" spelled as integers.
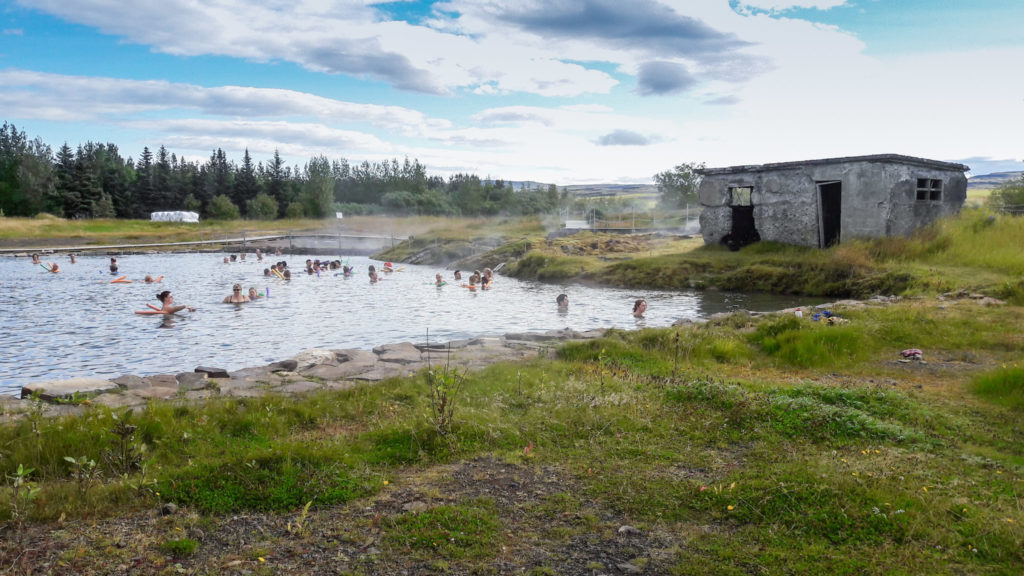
{"x": 401, "y": 353}
{"x": 65, "y": 389}
{"x": 284, "y": 366}
{"x": 299, "y": 387}
{"x": 161, "y": 381}
{"x": 118, "y": 401}
{"x": 129, "y": 381}
{"x": 192, "y": 380}
{"x": 213, "y": 372}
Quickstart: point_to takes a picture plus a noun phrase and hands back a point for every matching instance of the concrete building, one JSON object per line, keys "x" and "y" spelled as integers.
{"x": 822, "y": 202}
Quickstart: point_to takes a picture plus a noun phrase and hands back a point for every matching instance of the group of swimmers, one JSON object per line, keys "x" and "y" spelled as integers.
{"x": 484, "y": 279}
{"x": 280, "y": 269}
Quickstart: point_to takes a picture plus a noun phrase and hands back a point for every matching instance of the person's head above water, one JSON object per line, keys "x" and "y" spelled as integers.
{"x": 163, "y": 296}
{"x": 562, "y": 301}
{"x": 639, "y": 307}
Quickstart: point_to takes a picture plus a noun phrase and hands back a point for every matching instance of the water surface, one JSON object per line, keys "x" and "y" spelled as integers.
{"x": 77, "y": 323}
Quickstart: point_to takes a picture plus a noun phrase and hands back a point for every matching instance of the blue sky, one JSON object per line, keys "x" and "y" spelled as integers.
{"x": 563, "y": 91}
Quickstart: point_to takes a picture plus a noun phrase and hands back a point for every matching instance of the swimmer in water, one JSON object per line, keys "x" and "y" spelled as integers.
{"x": 72, "y": 256}
{"x": 639, "y": 307}
{"x": 168, "y": 304}
{"x": 562, "y": 301}
{"x": 438, "y": 280}
{"x": 373, "y": 274}
{"x": 236, "y": 296}
{"x": 254, "y": 295}
{"x": 149, "y": 279}
{"x": 113, "y": 265}
{"x": 54, "y": 267}
{"x": 458, "y": 275}
{"x": 35, "y": 259}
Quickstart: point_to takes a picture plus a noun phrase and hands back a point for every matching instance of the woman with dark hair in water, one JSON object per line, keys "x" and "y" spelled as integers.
{"x": 639, "y": 307}
{"x": 168, "y": 307}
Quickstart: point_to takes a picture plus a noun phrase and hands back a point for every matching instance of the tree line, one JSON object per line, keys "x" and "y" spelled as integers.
{"x": 94, "y": 180}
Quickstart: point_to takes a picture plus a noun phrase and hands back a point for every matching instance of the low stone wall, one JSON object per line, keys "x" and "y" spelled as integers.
{"x": 317, "y": 369}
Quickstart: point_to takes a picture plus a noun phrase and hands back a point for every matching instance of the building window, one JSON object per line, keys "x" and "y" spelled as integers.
{"x": 929, "y": 189}
{"x": 740, "y": 195}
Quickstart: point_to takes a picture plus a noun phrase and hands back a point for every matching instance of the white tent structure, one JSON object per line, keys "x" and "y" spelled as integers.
{"x": 174, "y": 217}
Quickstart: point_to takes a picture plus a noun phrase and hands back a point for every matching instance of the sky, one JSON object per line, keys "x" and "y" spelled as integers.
{"x": 553, "y": 91}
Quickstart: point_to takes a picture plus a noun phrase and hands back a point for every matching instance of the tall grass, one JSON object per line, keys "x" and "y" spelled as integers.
{"x": 1004, "y": 386}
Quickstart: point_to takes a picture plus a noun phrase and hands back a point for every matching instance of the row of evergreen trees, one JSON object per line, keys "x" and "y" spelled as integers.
{"x": 95, "y": 181}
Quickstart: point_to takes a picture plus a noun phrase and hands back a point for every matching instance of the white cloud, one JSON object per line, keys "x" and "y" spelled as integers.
{"x": 777, "y": 5}
{"x": 29, "y": 94}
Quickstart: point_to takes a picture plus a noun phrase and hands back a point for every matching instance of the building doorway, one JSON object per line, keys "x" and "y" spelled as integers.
{"x": 830, "y": 204}
{"x": 744, "y": 229}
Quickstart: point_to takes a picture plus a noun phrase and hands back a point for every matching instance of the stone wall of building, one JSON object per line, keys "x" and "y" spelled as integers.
{"x": 878, "y": 198}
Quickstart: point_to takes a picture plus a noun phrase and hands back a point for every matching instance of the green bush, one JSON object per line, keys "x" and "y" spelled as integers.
{"x": 221, "y": 208}
{"x": 263, "y": 207}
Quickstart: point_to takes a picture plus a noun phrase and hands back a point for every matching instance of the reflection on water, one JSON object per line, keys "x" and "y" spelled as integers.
{"x": 77, "y": 323}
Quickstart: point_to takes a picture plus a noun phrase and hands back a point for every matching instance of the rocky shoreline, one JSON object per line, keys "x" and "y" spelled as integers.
{"x": 334, "y": 369}
{"x": 311, "y": 370}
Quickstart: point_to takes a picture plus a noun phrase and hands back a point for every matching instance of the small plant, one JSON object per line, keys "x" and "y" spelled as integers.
{"x": 125, "y": 457}
{"x": 445, "y": 383}
{"x": 23, "y": 490}
{"x": 83, "y": 471}
{"x": 299, "y": 527}
{"x": 602, "y": 360}
{"x": 180, "y": 547}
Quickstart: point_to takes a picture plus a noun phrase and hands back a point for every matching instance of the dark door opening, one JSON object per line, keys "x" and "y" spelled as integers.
{"x": 743, "y": 231}
{"x": 830, "y": 203}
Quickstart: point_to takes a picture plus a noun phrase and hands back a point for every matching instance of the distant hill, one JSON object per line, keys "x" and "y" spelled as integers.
{"x": 597, "y": 190}
{"x": 591, "y": 190}
{"x": 993, "y": 180}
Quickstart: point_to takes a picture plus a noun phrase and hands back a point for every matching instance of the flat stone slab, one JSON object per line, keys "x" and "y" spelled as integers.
{"x": 161, "y": 380}
{"x": 213, "y": 372}
{"x": 63, "y": 389}
{"x": 299, "y": 387}
{"x": 130, "y": 381}
{"x": 381, "y": 373}
{"x": 117, "y": 401}
{"x": 400, "y": 353}
{"x": 192, "y": 380}
{"x": 309, "y": 358}
{"x": 10, "y": 403}
{"x": 158, "y": 392}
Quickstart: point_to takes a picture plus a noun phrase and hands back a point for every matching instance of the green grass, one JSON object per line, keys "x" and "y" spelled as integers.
{"x": 180, "y": 547}
{"x": 773, "y": 445}
{"x": 1004, "y": 386}
{"x": 452, "y": 532}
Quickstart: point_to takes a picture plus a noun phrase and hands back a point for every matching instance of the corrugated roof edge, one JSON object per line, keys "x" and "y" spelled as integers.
{"x": 900, "y": 158}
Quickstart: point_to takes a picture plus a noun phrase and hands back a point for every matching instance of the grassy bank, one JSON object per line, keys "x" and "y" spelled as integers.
{"x": 976, "y": 251}
{"x": 769, "y": 445}
{"x": 46, "y": 230}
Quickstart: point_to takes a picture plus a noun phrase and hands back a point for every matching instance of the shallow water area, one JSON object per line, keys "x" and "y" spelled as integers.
{"x": 79, "y": 324}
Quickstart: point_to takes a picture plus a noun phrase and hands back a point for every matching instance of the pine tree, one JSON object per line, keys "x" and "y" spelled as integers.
{"x": 246, "y": 186}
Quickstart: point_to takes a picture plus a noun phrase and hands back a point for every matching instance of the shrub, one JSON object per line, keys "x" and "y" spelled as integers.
{"x": 263, "y": 207}
{"x": 221, "y": 208}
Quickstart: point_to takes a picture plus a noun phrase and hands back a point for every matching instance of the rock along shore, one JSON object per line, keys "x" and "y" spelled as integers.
{"x": 324, "y": 369}
{"x": 317, "y": 369}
